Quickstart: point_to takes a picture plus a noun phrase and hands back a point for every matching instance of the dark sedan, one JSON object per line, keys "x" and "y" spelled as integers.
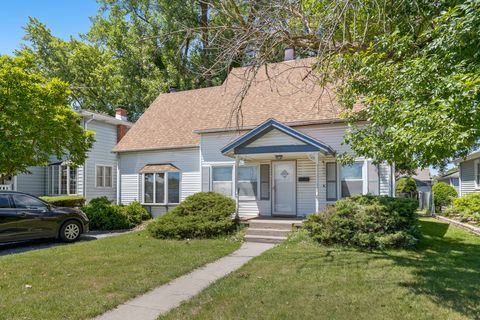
{"x": 25, "y": 217}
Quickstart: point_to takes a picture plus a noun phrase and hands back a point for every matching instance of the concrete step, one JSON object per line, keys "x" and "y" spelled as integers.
{"x": 264, "y": 239}
{"x": 270, "y": 224}
{"x": 267, "y": 232}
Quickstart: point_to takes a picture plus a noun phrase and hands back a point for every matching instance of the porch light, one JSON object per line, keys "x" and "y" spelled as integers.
{"x": 278, "y": 157}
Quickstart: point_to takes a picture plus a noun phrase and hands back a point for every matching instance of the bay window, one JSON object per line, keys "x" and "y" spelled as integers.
{"x": 62, "y": 179}
{"x": 161, "y": 187}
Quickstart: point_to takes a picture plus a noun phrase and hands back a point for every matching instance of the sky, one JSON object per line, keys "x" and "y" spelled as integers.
{"x": 63, "y": 17}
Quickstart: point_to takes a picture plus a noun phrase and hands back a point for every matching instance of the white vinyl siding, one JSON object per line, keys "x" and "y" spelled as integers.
{"x": 306, "y": 190}
{"x": 467, "y": 177}
{"x": 34, "y": 183}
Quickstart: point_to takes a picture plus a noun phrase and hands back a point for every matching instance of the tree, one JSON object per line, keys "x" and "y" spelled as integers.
{"x": 36, "y": 121}
{"x": 406, "y": 185}
{"x": 415, "y": 66}
{"x": 443, "y": 195}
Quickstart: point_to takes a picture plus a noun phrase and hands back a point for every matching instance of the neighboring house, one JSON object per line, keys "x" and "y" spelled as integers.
{"x": 95, "y": 178}
{"x": 469, "y": 173}
{"x": 424, "y": 181}
{"x": 452, "y": 179}
{"x": 281, "y": 161}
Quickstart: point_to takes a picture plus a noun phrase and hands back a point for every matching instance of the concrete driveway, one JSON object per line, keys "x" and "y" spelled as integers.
{"x": 25, "y": 246}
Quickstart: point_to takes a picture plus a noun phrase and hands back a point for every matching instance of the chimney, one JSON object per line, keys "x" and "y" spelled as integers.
{"x": 289, "y": 54}
{"x": 121, "y": 114}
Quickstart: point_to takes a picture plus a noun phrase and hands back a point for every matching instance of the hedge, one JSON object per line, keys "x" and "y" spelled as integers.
{"x": 366, "y": 221}
{"x": 65, "y": 201}
{"x": 104, "y": 215}
{"x": 202, "y": 215}
{"x": 443, "y": 195}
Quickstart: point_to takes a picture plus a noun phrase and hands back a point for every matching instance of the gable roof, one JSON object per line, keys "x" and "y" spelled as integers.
{"x": 287, "y": 91}
{"x": 269, "y": 125}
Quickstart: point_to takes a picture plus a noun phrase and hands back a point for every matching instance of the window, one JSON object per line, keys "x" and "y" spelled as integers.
{"x": 222, "y": 180}
{"x": 247, "y": 181}
{"x": 477, "y": 174}
{"x": 25, "y": 202}
{"x": 161, "y": 187}
{"x": 104, "y": 178}
{"x": 454, "y": 182}
{"x": 62, "y": 180}
{"x": 331, "y": 181}
{"x": 264, "y": 182}
{"x": 4, "y": 201}
{"x": 173, "y": 187}
{"x": 351, "y": 179}
{"x": 373, "y": 185}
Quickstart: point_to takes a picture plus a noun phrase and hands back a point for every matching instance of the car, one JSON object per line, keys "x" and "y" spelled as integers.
{"x": 26, "y": 217}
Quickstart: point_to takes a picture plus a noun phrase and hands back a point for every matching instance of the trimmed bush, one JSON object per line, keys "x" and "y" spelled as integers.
{"x": 406, "y": 185}
{"x": 366, "y": 221}
{"x": 65, "y": 201}
{"x": 443, "y": 195}
{"x": 467, "y": 206}
{"x": 202, "y": 215}
{"x": 104, "y": 215}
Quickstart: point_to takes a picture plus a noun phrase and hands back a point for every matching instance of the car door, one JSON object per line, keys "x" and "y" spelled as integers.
{"x": 34, "y": 217}
{"x": 8, "y": 219}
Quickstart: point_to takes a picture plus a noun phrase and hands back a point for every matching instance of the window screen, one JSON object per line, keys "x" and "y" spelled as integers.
{"x": 331, "y": 181}
{"x": 148, "y": 188}
{"x": 265, "y": 182}
{"x": 352, "y": 183}
{"x": 373, "y": 185}
{"x": 108, "y": 176}
{"x": 159, "y": 187}
{"x": 247, "y": 181}
{"x": 222, "y": 180}
{"x": 99, "y": 175}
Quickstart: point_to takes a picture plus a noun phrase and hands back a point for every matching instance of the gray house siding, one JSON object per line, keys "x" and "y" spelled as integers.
{"x": 467, "y": 177}
{"x": 34, "y": 183}
{"x": 100, "y": 154}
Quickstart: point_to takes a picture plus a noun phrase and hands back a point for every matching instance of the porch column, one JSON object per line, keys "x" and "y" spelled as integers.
{"x": 317, "y": 182}
{"x": 235, "y": 186}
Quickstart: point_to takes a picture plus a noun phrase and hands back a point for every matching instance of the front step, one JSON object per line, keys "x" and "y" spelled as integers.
{"x": 267, "y": 232}
{"x": 270, "y": 230}
{"x": 264, "y": 239}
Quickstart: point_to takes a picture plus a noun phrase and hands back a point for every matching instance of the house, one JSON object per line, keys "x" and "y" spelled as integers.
{"x": 469, "y": 173}
{"x": 280, "y": 160}
{"x": 452, "y": 178}
{"x": 95, "y": 178}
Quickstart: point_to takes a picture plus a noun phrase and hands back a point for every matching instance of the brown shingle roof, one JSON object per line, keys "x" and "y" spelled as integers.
{"x": 286, "y": 91}
{"x": 158, "y": 167}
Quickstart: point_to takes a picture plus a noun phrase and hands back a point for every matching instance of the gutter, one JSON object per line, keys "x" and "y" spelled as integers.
{"x": 158, "y": 148}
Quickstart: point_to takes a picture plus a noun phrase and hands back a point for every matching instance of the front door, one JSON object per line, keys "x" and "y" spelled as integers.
{"x": 284, "y": 189}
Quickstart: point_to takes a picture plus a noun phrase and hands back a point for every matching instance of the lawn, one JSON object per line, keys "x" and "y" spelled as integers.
{"x": 301, "y": 280}
{"x": 88, "y": 278}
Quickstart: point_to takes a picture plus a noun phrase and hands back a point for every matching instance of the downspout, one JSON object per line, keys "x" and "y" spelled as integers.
{"x": 118, "y": 181}
{"x": 85, "y": 127}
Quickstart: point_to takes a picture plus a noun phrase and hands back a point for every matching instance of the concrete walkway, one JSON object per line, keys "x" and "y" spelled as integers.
{"x": 164, "y": 298}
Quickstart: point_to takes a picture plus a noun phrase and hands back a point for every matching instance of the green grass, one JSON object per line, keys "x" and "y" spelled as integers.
{"x": 88, "y": 278}
{"x": 302, "y": 280}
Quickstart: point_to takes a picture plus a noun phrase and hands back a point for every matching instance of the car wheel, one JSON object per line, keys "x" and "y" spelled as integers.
{"x": 70, "y": 231}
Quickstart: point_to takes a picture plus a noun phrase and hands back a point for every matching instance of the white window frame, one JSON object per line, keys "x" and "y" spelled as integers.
{"x": 104, "y": 176}
{"x": 475, "y": 171}
{"x": 212, "y": 168}
{"x": 165, "y": 189}
{"x": 257, "y": 196}
{"x": 51, "y": 181}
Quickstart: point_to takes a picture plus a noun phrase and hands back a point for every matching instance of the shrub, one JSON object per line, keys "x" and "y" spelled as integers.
{"x": 443, "y": 195}
{"x": 202, "y": 215}
{"x": 65, "y": 201}
{"x": 468, "y": 206}
{"x": 104, "y": 215}
{"x": 406, "y": 185}
{"x": 368, "y": 222}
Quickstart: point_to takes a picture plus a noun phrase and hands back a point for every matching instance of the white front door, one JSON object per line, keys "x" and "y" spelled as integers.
{"x": 284, "y": 190}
